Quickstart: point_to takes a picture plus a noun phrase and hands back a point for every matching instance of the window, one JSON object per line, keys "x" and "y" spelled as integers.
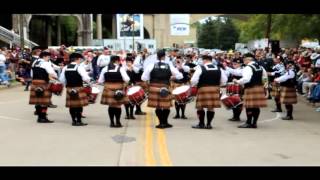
{"x": 130, "y": 46}
{"x": 150, "y": 46}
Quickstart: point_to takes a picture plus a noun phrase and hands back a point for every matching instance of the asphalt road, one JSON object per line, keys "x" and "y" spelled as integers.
{"x": 274, "y": 143}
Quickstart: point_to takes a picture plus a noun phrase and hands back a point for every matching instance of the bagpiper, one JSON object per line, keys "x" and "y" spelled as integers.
{"x": 253, "y": 78}
{"x": 159, "y": 75}
{"x": 208, "y": 78}
{"x": 114, "y": 77}
{"x": 40, "y": 95}
{"x": 288, "y": 95}
{"x": 277, "y": 70}
{"x": 73, "y": 75}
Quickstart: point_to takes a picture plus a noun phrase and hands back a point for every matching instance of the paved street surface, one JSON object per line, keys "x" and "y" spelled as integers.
{"x": 275, "y": 142}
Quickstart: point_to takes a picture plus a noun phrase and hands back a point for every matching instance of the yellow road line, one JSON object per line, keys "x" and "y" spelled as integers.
{"x": 164, "y": 154}
{"x": 150, "y": 160}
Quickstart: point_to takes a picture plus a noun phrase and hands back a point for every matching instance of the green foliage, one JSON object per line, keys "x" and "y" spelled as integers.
{"x": 283, "y": 27}
{"x": 219, "y": 33}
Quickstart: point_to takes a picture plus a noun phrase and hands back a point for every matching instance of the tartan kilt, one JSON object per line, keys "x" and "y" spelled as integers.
{"x": 81, "y": 101}
{"x": 288, "y": 95}
{"x": 154, "y": 99}
{"x": 45, "y": 99}
{"x": 254, "y": 97}
{"x": 208, "y": 97}
{"x": 275, "y": 90}
{"x": 108, "y": 94}
{"x": 143, "y": 84}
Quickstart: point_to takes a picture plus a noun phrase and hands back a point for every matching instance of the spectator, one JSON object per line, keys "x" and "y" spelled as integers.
{"x": 3, "y": 74}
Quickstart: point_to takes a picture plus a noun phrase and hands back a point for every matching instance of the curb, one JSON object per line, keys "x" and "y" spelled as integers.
{"x": 12, "y": 86}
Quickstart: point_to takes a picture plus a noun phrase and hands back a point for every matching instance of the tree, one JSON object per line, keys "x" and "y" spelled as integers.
{"x": 219, "y": 33}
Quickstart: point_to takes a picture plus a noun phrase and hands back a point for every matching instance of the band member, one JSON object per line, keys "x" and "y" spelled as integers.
{"x": 138, "y": 69}
{"x": 129, "y": 107}
{"x": 208, "y": 78}
{"x": 253, "y": 78}
{"x": 114, "y": 77}
{"x": 278, "y": 70}
{"x": 73, "y": 76}
{"x": 159, "y": 75}
{"x": 236, "y": 73}
{"x": 40, "y": 95}
{"x": 288, "y": 95}
{"x": 176, "y": 83}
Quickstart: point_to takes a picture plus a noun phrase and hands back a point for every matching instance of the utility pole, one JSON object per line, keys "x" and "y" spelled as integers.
{"x": 268, "y": 26}
{"x": 21, "y": 31}
{"x": 133, "y": 32}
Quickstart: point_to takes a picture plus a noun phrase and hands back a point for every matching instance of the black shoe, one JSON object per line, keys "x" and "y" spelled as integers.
{"x": 184, "y": 117}
{"x": 132, "y": 117}
{"x": 168, "y": 125}
{"x": 176, "y": 117}
{"x": 26, "y": 89}
{"x": 234, "y": 119}
{"x": 112, "y": 125}
{"x": 245, "y": 125}
{"x": 199, "y": 126}
{"x": 276, "y": 110}
{"x": 140, "y": 113}
{"x": 52, "y": 106}
{"x": 208, "y": 126}
{"x": 82, "y": 116}
{"x": 35, "y": 113}
{"x": 127, "y": 117}
{"x": 118, "y": 125}
{"x": 253, "y": 126}
{"x": 74, "y": 123}
{"x": 160, "y": 126}
{"x": 287, "y": 118}
{"x": 79, "y": 124}
{"x": 44, "y": 121}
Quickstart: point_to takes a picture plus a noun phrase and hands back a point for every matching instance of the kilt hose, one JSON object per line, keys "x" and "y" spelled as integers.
{"x": 44, "y": 100}
{"x": 275, "y": 90}
{"x": 208, "y": 97}
{"x": 254, "y": 97}
{"x": 80, "y": 101}
{"x": 108, "y": 94}
{"x": 154, "y": 99}
{"x": 288, "y": 95}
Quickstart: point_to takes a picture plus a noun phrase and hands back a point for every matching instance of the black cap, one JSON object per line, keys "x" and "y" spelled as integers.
{"x": 290, "y": 62}
{"x": 44, "y": 53}
{"x": 75, "y": 56}
{"x": 237, "y": 60}
{"x": 114, "y": 59}
{"x": 161, "y": 53}
{"x": 129, "y": 58}
{"x": 248, "y": 55}
{"x": 206, "y": 57}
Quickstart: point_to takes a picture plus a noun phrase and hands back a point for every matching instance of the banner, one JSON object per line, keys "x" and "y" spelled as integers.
{"x": 129, "y": 25}
{"x": 180, "y": 24}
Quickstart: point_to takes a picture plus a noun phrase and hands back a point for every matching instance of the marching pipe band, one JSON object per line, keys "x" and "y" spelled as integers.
{"x": 159, "y": 79}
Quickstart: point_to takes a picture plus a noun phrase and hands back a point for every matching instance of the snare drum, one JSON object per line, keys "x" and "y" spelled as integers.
{"x": 181, "y": 94}
{"x": 56, "y": 88}
{"x": 136, "y": 95}
{"x": 87, "y": 90}
{"x": 233, "y": 88}
{"x": 231, "y": 101}
{"x": 93, "y": 95}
